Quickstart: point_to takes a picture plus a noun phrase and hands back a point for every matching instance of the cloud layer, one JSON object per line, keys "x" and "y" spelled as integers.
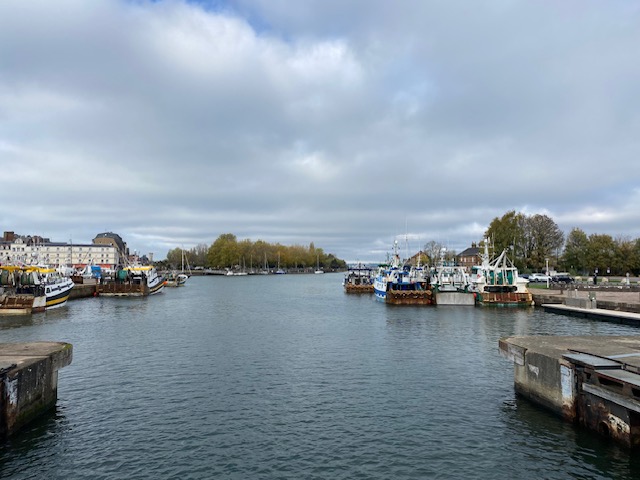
{"x": 342, "y": 123}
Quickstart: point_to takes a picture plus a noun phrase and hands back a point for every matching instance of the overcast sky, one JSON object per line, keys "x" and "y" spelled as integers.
{"x": 344, "y": 123}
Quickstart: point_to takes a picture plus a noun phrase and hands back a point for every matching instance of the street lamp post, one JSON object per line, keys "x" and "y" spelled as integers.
{"x": 547, "y": 272}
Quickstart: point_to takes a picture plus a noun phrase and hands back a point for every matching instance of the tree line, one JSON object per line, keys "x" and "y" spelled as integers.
{"x": 532, "y": 240}
{"x": 229, "y": 252}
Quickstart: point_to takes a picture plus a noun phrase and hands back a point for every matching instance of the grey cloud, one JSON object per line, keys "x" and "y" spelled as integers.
{"x": 345, "y": 124}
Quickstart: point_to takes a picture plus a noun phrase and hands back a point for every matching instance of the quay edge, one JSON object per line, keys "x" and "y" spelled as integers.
{"x": 593, "y": 381}
{"x": 610, "y": 299}
{"x": 83, "y": 291}
{"x": 29, "y": 381}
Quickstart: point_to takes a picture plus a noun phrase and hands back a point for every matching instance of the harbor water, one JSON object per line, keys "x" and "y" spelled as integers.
{"x": 288, "y": 377}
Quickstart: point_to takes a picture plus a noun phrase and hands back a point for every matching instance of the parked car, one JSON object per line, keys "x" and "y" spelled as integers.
{"x": 538, "y": 277}
{"x": 562, "y": 278}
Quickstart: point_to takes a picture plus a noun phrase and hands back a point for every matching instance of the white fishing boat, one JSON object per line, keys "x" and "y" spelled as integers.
{"x": 496, "y": 282}
{"x": 451, "y": 284}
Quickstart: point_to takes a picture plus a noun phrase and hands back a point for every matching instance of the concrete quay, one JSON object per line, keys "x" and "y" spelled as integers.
{"x": 615, "y": 299}
{"x": 80, "y": 290}
{"x": 609, "y": 305}
{"x": 592, "y": 380}
{"x": 29, "y": 381}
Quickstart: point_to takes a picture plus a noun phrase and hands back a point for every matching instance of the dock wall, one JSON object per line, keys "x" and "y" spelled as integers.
{"x": 624, "y": 301}
{"x": 591, "y": 380}
{"x": 541, "y": 377}
{"x": 29, "y": 381}
{"x": 82, "y": 291}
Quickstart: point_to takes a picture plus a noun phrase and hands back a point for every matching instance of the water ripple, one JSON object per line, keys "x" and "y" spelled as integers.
{"x": 287, "y": 377}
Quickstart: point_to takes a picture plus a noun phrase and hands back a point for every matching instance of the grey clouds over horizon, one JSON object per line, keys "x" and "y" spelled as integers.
{"x": 346, "y": 124}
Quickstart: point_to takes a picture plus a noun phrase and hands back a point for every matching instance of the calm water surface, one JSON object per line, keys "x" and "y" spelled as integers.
{"x": 288, "y": 377}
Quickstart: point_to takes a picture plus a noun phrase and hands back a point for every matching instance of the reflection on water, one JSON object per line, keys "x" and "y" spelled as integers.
{"x": 288, "y": 377}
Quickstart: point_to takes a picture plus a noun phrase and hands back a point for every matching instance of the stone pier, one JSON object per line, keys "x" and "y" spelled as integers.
{"x": 593, "y": 381}
{"x": 29, "y": 381}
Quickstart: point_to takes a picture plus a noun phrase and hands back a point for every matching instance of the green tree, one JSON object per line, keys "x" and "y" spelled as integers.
{"x": 507, "y": 233}
{"x": 574, "y": 258}
{"x": 197, "y": 256}
{"x": 174, "y": 258}
{"x": 623, "y": 261}
{"x": 600, "y": 253}
{"x": 545, "y": 240}
{"x": 635, "y": 263}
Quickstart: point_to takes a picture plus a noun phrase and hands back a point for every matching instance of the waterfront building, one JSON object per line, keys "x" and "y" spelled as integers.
{"x": 18, "y": 249}
{"x": 469, "y": 258}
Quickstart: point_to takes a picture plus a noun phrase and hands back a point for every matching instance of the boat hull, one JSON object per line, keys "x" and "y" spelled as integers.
{"x": 350, "y": 288}
{"x": 36, "y": 298}
{"x": 505, "y": 299}
{"x": 410, "y": 297}
{"x": 358, "y": 279}
{"x": 58, "y": 293}
{"x": 455, "y": 298}
{"x": 176, "y": 280}
{"x": 21, "y": 304}
{"x": 155, "y": 287}
{"x": 380, "y": 294}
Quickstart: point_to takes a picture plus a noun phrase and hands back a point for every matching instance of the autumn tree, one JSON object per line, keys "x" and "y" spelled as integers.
{"x": 224, "y": 251}
{"x": 228, "y": 252}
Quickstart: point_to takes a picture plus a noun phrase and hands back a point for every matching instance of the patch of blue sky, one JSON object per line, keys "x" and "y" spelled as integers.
{"x": 252, "y": 17}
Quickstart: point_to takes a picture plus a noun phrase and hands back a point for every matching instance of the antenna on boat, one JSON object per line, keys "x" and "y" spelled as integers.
{"x": 406, "y": 238}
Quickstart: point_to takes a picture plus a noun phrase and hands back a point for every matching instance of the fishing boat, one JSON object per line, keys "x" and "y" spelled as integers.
{"x": 496, "y": 282}
{"x": 32, "y": 289}
{"x": 385, "y": 274}
{"x": 409, "y": 286}
{"x": 451, "y": 285}
{"x": 358, "y": 279}
{"x": 132, "y": 281}
{"x": 402, "y": 285}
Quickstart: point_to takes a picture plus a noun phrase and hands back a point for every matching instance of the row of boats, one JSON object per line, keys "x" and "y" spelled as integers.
{"x": 26, "y": 289}
{"x": 493, "y": 282}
